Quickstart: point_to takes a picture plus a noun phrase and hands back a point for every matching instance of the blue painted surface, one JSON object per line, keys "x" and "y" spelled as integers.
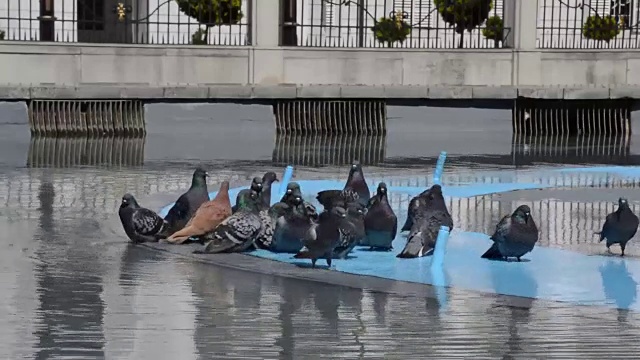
{"x": 288, "y": 174}
{"x": 441, "y": 247}
{"x": 545, "y": 273}
{"x": 437, "y": 173}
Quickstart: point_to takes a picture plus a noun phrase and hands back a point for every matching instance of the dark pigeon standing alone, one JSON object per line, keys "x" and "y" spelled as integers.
{"x": 515, "y": 235}
{"x": 237, "y": 232}
{"x": 140, "y": 224}
{"x": 324, "y": 237}
{"x": 291, "y": 228}
{"x": 381, "y": 223}
{"x": 356, "y": 189}
{"x": 352, "y": 230}
{"x": 429, "y": 216}
{"x": 265, "y": 195}
{"x": 620, "y": 226}
{"x": 256, "y": 185}
{"x": 189, "y": 202}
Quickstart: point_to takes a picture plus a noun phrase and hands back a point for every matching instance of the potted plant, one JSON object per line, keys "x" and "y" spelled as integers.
{"x": 211, "y": 13}
{"x": 601, "y": 28}
{"x": 199, "y": 37}
{"x": 391, "y": 29}
{"x": 464, "y": 14}
{"x": 494, "y": 29}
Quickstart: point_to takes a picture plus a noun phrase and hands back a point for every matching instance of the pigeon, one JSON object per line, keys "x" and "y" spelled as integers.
{"x": 189, "y": 202}
{"x": 291, "y": 228}
{"x": 265, "y": 195}
{"x": 356, "y": 189}
{"x": 293, "y": 190}
{"x": 620, "y": 226}
{"x": 380, "y": 223}
{"x": 414, "y": 204}
{"x": 237, "y": 232}
{"x": 322, "y": 238}
{"x": 429, "y": 216}
{"x": 515, "y": 235}
{"x": 268, "y": 219}
{"x": 352, "y": 230}
{"x": 140, "y": 224}
{"x": 208, "y": 216}
{"x": 256, "y": 185}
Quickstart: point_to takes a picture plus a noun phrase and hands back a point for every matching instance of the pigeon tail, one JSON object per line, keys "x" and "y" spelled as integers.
{"x": 415, "y": 249}
{"x": 304, "y": 253}
{"x": 407, "y": 224}
{"x": 327, "y": 198}
{"x": 492, "y": 253}
{"x": 182, "y": 235}
{"x": 599, "y": 233}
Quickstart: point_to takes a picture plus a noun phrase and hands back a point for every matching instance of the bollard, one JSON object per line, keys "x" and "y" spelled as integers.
{"x": 288, "y": 174}
{"x": 441, "y": 247}
{"x": 437, "y": 174}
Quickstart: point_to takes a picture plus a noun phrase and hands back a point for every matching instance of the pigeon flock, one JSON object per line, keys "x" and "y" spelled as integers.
{"x": 351, "y": 217}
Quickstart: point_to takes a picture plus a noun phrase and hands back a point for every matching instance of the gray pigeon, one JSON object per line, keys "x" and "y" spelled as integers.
{"x": 429, "y": 216}
{"x": 291, "y": 228}
{"x": 140, "y": 224}
{"x": 414, "y": 204}
{"x": 189, "y": 202}
{"x": 515, "y": 235}
{"x": 352, "y": 230}
{"x": 256, "y": 185}
{"x": 268, "y": 218}
{"x": 356, "y": 189}
{"x": 322, "y": 238}
{"x": 620, "y": 226}
{"x": 293, "y": 190}
{"x": 265, "y": 195}
{"x": 237, "y": 232}
{"x": 381, "y": 223}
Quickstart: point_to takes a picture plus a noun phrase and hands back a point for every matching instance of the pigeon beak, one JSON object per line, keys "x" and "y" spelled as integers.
{"x": 206, "y": 174}
{"x": 526, "y": 217}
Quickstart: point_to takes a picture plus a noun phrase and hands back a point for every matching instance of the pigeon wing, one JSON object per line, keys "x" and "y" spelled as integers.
{"x": 502, "y": 229}
{"x": 147, "y": 222}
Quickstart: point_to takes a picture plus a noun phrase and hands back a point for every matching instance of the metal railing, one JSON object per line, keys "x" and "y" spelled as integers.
{"x": 583, "y": 24}
{"x": 183, "y": 22}
{"x": 392, "y": 24}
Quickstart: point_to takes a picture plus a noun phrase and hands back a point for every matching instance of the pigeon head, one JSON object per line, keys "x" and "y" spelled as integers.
{"x": 623, "y": 203}
{"x": 256, "y": 184}
{"x": 382, "y": 189}
{"x": 199, "y": 177}
{"x": 269, "y": 177}
{"x": 128, "y": 200}
{"x": 356, "y": 209}
{"x": 434, "y": 198}
{"x": 297, "y": 200}
{"x": 248, "y": 200}
{"x": 356, "y": 170}
{"x": 310, "y": 211}
{"x": 523, "y": 212}
{"x": 293, "y": 188}
{"x": 339, "y": 212}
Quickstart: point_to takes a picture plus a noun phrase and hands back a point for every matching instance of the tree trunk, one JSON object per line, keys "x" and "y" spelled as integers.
{"x": 461, "y": 43}
{"x": 206, "y": 35}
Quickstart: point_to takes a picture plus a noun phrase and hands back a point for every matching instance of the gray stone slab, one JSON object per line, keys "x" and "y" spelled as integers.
{"x": 274, "y": 92}
{"x": 406, "y": 92}
{"x": 318, "y": 91}
{"x": 185, "y": 92}
{"x": 624, "y": 92}
{"x": 362, "y": 91}
{"x": 142, "y": 92}
{"x": 64, "y": 92}
{"x": 450, "y": 92}
{"x": 494, "y": 92}
{"x": 15, "y": 92}
{"x": 586, "y": 93}
{"x": 541, "y": 93}
{"x": 230, "y": 92}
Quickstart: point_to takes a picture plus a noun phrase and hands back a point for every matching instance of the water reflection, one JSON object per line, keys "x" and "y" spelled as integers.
{"x": 583, "y": 149}
{"x": 85, "y": 151}
{"x": 320, "y": 150}
{"x": 618, "y": 285}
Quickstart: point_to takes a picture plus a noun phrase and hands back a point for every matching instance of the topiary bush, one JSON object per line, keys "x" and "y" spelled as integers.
{"x": 602, "y": 28}
{"x": 391, "y": 29}
{"x": 199, "y": 37}
{"x": 494, "y": 29}
{"x": 212, "y": 12}
{"x": 464, "y": 14}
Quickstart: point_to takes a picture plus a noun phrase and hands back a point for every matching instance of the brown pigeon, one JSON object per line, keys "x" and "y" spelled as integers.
{"x": 207, "y": 217}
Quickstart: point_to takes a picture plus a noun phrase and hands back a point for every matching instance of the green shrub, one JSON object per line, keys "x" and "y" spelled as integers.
{"x": 464, "y": 14}
{"x": 212, "y": 12}
{"x": 2, "y": 34}
{"x": 389, "y": 30}
{"x": 601, "y": 28}
{"x": 199, "y": 37}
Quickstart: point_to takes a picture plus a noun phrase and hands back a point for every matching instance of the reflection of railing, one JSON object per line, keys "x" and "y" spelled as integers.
{"x": 318, "y": 150}
{"x": 571, "y": 150}
{"x": 83, "y": 151}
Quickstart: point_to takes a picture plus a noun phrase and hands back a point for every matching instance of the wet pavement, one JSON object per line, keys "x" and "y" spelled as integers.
{"x": 72, "y": 287}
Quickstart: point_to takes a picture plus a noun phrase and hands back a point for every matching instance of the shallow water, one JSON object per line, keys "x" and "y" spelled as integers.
{"x": 72, "y": 287}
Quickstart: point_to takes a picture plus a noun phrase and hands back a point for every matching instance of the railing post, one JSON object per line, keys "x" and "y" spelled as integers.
{"x": 266, "y": 28}
{"x": 524, "y": 26}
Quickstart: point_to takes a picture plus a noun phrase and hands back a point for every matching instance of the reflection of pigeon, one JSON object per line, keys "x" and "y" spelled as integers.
{"x": 618, "y": 285}
{"x": 430, "y": 214}
{"x": 381, "y": 223}
{"x": 323, "y": 238}
{"x": 208, "y": 216}
{"x": 189, "y": 202}
{"x": 291, "y": 228}
{"x": 356, "y": 189}
{"x": 237, "y": 232}
{"x": 256, "y": 185}
{"x": 515, "y": 235}
{"x": 265, "y": 195}
{"x": 620, "y": 226}
{"x": 351, "y": 230}
{"x": 140, "y": 224}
